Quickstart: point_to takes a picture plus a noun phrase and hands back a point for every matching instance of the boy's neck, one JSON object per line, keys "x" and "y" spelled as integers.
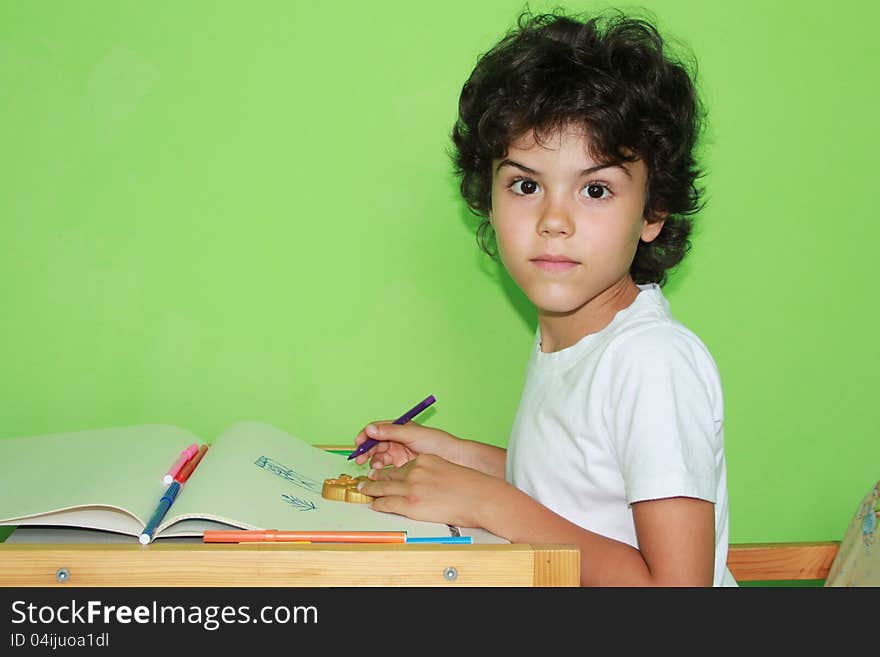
{"x": 562, "y": 330}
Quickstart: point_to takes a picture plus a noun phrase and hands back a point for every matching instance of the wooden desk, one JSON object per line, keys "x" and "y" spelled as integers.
{"x": 798, "y": 560}
{"x": 195, "y": 564}
{"x": 198, "y": 564}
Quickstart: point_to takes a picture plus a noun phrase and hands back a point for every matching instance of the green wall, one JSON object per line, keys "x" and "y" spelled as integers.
{"x": 223, "y": 211}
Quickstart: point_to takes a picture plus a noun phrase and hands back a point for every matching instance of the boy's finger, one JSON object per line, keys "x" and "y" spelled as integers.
{"x": 389, "y": 473}
{"x": 389, "y": 504}
{"x": 361, "y": 438}
{"x": 401, "y": 433}
{"x": 364, "y": 434}
{"x": 382, "y": 488}
{"x": 380, "y": 460}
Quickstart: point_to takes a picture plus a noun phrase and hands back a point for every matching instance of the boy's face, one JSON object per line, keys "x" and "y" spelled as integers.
{"x": 567, "y": 235}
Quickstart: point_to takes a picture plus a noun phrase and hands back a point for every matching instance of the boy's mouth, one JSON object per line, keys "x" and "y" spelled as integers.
{"x": 549, "y": 262}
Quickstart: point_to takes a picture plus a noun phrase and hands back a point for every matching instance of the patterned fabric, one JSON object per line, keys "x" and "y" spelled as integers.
{"x": 858, "y": 561}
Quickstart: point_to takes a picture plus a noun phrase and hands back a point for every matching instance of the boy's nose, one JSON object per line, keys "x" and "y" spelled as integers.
{"x": 555, "y": 220}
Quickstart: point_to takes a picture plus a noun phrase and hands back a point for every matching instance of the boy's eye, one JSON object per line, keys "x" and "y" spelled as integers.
{"x": 597, "y": 190}
{"x": 526, "y": 186}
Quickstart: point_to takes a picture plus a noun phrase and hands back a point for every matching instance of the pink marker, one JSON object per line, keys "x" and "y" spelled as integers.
{"x": 185, "y": 456}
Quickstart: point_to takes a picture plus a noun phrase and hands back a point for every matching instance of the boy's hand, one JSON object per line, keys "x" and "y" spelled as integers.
{"x": 431, "y": 488}
{"x": 400, "y": 443}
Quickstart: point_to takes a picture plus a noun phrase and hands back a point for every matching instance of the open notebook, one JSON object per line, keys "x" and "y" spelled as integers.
{"x": 253, "y": 476}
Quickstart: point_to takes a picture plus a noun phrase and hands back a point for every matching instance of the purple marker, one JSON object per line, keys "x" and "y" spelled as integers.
{"x": 403, "y": 419}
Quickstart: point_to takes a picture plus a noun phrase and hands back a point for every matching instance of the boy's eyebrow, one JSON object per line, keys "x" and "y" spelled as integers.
{"x": 585, "y": 172}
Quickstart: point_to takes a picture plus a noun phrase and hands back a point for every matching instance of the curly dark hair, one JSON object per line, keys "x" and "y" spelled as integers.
{"x": 611, "y": 75}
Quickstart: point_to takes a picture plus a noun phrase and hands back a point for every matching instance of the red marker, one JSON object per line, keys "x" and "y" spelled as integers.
{"x": 187, "y": 469}
{"x": 185, "y": 456}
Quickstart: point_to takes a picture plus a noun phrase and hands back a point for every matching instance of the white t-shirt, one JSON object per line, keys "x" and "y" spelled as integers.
{"x": 631, "y": 413}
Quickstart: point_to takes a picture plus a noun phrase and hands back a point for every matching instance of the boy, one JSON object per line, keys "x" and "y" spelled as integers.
{"x": 575, "y": 142}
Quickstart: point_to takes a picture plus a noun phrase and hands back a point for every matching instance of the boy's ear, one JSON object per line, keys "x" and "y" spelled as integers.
{"x": 653, "y": 224}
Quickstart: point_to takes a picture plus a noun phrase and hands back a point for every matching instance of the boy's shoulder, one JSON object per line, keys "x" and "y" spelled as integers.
{"x": 647, "y": 330}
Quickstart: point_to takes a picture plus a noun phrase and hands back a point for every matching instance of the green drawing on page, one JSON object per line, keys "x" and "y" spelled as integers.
{"x": 304, "y": 505}
{"x": 286, "y": 473}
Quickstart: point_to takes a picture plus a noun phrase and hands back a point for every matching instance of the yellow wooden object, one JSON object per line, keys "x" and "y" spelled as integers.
{"x": 344, "y": 489}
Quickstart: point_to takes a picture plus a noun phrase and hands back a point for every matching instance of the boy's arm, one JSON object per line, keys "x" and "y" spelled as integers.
{"x": 676, "y": 536}
{"x": 487, "y": 459}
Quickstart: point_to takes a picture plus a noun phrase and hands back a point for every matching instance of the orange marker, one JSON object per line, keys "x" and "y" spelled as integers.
{"x": 275, "y": 536}
{"x": 187, "y": 469}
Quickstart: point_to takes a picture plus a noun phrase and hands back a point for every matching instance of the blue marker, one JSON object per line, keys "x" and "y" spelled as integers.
{"x": 461, "y": 540}
{"x": 164, "y": 504}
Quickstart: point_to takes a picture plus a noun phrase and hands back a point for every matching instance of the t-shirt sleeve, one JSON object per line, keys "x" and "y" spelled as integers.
{"x": 665, "y": 415}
